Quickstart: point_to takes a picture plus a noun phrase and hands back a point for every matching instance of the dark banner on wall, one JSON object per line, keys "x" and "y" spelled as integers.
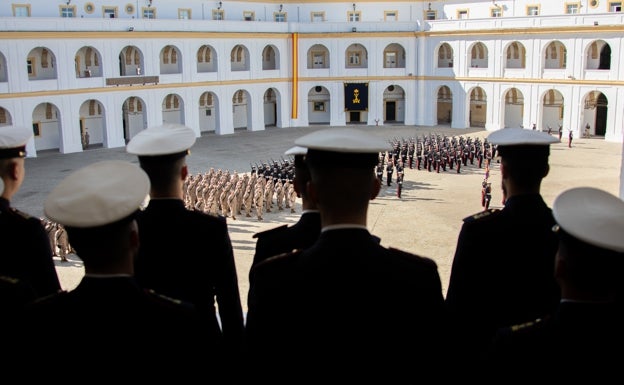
{"x": 356, "y": 96}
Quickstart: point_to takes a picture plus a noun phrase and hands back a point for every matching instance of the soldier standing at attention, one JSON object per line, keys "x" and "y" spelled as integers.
{"x": 26, "y": 250}
{"x": 151, "y": 336}
{"x": 560, "y": 132}
{"x": 248, "y": 196}
{"x": 307, "y": 308}
{"x": 400, "y": 174}
{"x": 62, "y": 241}
{"x": 389, "y": 172}
{"x": 570, "y": 139}
{"x": 489, "y": 290}
{"x": 186, "y": 254}
{"x": 379, "y": 171}
{"x": 258, "y": 197}
{"x": 579, "y": 338}
{"x": 302, "y": 234}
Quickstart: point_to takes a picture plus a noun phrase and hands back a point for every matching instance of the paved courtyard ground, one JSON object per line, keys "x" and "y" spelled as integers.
{"x": 426, "y": 220}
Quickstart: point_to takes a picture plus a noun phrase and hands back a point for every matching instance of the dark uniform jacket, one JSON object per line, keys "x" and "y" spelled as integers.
{"x": 345, "y": 309}
{"x": 284, "y": 239}
{"x": 187, "y": 254}
{"x": 26, "y": 251}
{"x": 14, "y": 294}
{"x": 110, "y": 326}
{"x": 502, "y": 272}
{"x": 582, "y": 340}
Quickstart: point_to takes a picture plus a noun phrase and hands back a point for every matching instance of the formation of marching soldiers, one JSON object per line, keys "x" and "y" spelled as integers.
{"x": 269, "y": 186}
{"x": 228, "y": 194}
{"x": 439, "y": 152}
{"x": 432, "y": 153}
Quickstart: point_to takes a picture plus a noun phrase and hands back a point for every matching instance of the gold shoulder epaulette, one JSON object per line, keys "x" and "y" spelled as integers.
{"x": 21, "y": 214}
{"x": 256, "y": 235}
{"x": 515, "y": 328}
{"x": 164, "y": 297}
{"x": 481, "y": 214}
{"x": 10, "y": 280}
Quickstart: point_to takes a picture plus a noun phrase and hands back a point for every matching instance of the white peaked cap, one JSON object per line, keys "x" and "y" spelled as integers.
{"x": 98, "y": 194}
{"x": 296, "y": 150}
{"x": 162, "y": 140}
{"x": 520, "y": 136}
{"x": 345, "y": 140}
{"x": 591, "y": 215}
{"x": 13, "y": 141}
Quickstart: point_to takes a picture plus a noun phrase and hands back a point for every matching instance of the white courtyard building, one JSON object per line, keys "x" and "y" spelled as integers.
{"x": 116, "y": 67}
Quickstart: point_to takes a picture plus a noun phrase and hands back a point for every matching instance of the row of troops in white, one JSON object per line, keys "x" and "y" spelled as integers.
{"x": 229, "y": 194}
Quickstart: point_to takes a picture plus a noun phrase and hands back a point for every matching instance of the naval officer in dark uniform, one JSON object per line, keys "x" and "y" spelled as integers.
{"x": 185, "y": 254}
{"x": 302, "y": 234}
{"x": 26, "y": 250}
{"x": 108, "y": 326}
{"x": 346, "y": 308}
{"x": 502, "y": 272}
{"x": 583, "y": 338}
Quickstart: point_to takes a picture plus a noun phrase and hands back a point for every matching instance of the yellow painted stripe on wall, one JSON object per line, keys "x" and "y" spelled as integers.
{"x": 295, "y": 77}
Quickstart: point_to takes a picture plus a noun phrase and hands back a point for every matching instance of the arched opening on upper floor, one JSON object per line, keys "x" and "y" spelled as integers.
{"x": 241, "y": 110}
{"x": 445, "y": 56}
{"x": 46, "y": 121}
{"x": 515, "y": 55}
{"x": 318, "y": 57}
{"x": 41, "y": 64}
{"x": 92, "y": 124}
{"x": 4, "y": 76}
{"x": 552, "y": 109}
{"x": 555, "y": 56}
{"x": 394, "y": 104}
{"x": 394, "y": 56}
{"x": 356, "y": 56}
{"x": 513, "y": 111}
{"x": 598, "y": 56}
{"x": 595, "y": 111}
{"x": 479, "y": 56}
{"x": 478, "y": 107}
{"x": 134, "y": 117}
{"x": 173, "y": 109}
{"x": 208, "y": 112}
{"x": 131, "y": 62}
{"x": 270, "y": 58}
{"x": 239, "y": 58}
{"x": 207, "y": 59}
{"x": 444, "y": 106}
{"x": 319, "y": 105}
{"x": 5, "y": 117}
{"x": 272, "y": 108}
{"x": 88, "y": 62}
{"x": 170, "y": 60}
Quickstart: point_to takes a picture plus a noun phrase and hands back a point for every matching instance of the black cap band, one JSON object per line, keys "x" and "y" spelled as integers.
{"x": 15, "y": 152}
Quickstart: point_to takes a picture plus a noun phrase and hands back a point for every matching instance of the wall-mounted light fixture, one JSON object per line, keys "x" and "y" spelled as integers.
{"x": 68, "y": 2}
{"x": 354, "y": 7}
{"x": 429, "y": 7}
{"x": 149, "y": 3}
{"x": 220, "y": 5}
{"x": 281, "y": 7}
